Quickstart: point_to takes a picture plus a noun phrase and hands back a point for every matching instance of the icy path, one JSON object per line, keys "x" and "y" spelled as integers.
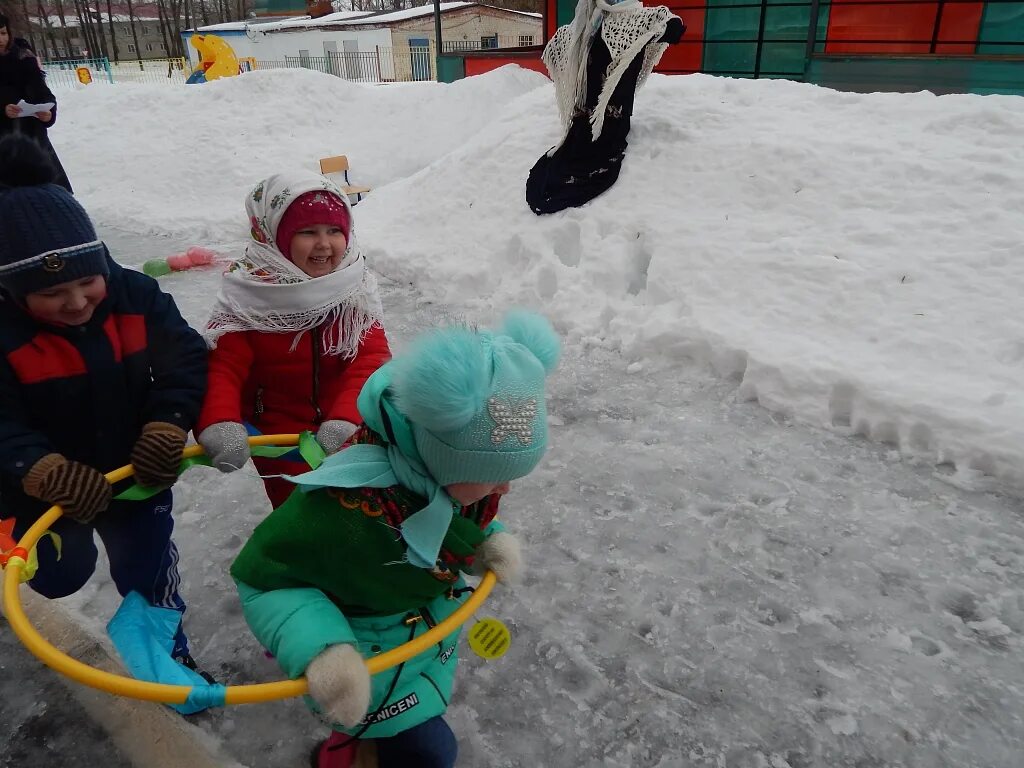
{"x": 41, "y": 723}
{"x": 708, "y": 585}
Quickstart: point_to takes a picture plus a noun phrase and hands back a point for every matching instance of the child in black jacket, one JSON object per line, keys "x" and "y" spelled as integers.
{"x": 97, "y": 369}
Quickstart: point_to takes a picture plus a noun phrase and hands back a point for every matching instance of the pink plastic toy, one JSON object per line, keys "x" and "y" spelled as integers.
{"x": 200, "y": 257}
{"x": 195, "y": 256}
{"x": 179, "y": 261}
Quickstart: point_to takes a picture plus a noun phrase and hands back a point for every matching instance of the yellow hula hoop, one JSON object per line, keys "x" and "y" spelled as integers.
{"x": 177, "y": 694}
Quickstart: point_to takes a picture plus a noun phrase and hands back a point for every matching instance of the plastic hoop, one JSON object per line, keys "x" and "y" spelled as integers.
{"x": 121, "y": 685}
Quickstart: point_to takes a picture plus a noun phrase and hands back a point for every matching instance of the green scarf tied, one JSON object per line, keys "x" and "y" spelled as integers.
{"x": 382, "y": 466}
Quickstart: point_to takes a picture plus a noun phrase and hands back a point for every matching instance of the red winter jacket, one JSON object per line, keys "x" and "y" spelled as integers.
{"x": 254, "y": 377}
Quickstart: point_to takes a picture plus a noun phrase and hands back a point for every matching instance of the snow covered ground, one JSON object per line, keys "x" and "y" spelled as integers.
{"x": 710, "y": 583}
{"x": 41, "y": 723}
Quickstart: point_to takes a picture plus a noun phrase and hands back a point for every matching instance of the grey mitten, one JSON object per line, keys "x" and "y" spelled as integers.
{"x": 227, "y": 445}
{"x": 340, "y": 684}
{"x": 500, "y": 553}
{"x": 333, "y": 434}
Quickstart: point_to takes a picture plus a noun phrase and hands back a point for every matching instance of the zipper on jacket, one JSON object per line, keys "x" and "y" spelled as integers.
{"x": 257, "y": 406}
{"x": 431, "y": 622}
{"x": 314, "y": 337}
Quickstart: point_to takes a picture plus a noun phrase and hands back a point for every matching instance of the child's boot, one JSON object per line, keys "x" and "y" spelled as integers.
{"x": 336, "y": 751}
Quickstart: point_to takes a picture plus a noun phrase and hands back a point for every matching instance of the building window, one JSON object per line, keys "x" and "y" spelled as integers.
{"x": 162, "y": 47}
{"x": 149, "y": 46}
{"x": 131, "y": 48}
{"x": 525, "y": 41}
{"x": 489, "y": 42}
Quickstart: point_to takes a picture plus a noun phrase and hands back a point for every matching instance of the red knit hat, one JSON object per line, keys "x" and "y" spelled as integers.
{"x": 310, "y": 209}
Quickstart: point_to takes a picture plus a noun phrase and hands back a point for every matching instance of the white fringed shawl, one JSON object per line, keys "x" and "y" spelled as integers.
{"x": 264, "y": 291}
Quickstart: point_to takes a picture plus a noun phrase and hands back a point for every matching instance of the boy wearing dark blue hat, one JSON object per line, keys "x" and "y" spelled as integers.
{"x": 97, "y": 370}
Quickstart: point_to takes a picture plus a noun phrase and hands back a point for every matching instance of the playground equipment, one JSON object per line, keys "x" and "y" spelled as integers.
{"x": 216, "y": 59}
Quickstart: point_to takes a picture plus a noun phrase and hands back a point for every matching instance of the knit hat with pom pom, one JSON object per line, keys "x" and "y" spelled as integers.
{"x": 475, "y": 399}
{"x": 46, "y": 237}
{"x": 458, "y": 406}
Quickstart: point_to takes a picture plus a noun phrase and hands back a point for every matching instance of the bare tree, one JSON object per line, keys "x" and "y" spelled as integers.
{"x": 113, "y": 34}
{"x": 25, "y": 22}
{"x": 96, "y": 20}
{"x": 84, "y": 31}
{"x": 64, "y": 28}
{"x": 44, "y": 18}
{"x": 163, "y": 25}
{"x": 169, "y": 12}
{"x": 135, "y": 32}
{"x": 93, "y": 33}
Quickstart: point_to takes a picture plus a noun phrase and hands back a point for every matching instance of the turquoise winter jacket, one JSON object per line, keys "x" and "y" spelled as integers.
{"x": 296, "y": 625}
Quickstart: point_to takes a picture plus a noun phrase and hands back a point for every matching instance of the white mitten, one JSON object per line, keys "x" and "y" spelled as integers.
{"x": 333, "y": 434}
{"x": 500, "y": 553}
{"x": 227, "y": 445}
{"x": 340, "y": 684}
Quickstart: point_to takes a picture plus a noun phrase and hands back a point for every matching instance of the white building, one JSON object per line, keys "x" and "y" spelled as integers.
{"x": 374, "y": 46}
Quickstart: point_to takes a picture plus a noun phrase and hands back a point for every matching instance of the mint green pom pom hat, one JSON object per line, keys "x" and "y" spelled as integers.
{"x": 474, "y": 399}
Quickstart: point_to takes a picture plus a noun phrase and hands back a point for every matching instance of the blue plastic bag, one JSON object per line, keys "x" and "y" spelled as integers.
{"x": 144, "y": 637}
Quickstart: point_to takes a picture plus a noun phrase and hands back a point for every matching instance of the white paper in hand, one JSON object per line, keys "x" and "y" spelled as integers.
{"x": 30, "y": 110}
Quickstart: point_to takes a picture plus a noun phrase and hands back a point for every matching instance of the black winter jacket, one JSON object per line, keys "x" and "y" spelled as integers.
{"x": 86, "y": 391}
{"x": 21, "y": 78}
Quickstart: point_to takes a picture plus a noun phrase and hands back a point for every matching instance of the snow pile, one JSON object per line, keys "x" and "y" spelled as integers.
{"x": 856, "y": 261}
{"x": 158, "y": 158}
{"x": 853, "y": 260}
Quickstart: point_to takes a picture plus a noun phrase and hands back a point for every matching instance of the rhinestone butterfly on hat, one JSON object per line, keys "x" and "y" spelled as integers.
{"x": 512, "y": 418}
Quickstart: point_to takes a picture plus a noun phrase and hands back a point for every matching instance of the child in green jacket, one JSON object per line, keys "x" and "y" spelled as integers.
{"x": 370, "y": 552}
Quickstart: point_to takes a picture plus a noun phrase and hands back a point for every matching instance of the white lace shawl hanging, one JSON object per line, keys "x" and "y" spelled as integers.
{"x": 626, "y": 27}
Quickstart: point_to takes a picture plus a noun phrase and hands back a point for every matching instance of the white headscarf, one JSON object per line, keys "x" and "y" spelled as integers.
{"x": 626, "y": 27}
{"x": 264, "y": 291}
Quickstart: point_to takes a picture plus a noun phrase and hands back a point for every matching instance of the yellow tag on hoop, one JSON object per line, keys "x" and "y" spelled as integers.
{"x": 489, "y": 639}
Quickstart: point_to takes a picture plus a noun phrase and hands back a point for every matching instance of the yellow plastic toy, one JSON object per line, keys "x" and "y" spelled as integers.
{"x": 216, "y": 59}
{"x": 17, "y": 562}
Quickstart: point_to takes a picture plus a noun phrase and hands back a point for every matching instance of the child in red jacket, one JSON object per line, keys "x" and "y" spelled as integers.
{"x": 296, "y": 330}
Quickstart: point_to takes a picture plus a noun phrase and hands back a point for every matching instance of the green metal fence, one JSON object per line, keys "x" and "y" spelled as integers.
{"x": 65, "y": 74}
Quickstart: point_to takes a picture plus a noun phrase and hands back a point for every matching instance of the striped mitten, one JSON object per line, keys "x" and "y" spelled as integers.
{"x": 156, "y": 455}
{"x": 81, "y": 491}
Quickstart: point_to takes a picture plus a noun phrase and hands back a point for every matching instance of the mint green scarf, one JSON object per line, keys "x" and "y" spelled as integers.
{"x": 382, "y": 466}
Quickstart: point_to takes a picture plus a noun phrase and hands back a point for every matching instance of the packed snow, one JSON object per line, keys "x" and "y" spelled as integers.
{"x": 709, "y": 582}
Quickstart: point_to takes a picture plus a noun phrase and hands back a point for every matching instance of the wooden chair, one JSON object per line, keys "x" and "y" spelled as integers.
{"x": 339, "y": 164}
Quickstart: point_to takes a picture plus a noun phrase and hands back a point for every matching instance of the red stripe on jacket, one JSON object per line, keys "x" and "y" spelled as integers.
{"x": 127, "y": 334}
{"x": 47, "y": 356}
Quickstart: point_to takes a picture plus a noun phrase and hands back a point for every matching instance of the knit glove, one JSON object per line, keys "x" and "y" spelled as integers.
{"x": 333, "y": 434}
{"x": 227, "y": 445}
{"x": 500, "y": 553}
{"x": 156, "y": 455}
{"x": 81, "y": 491}
{"x": 340, "y": 684}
